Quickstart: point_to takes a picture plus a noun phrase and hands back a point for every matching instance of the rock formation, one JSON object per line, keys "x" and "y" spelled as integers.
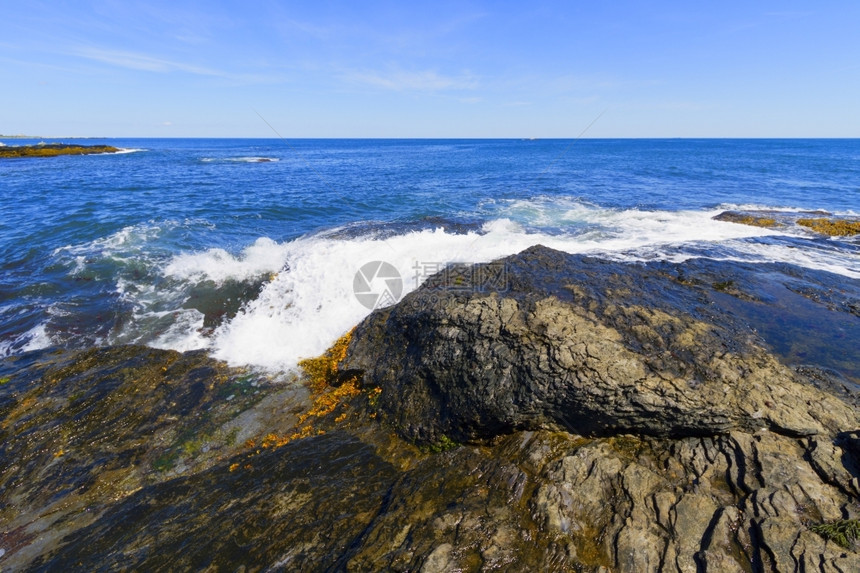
{"x": 54, "y": 150}
{"x": 584, "y": 345}
{"x": 546, "y": 412}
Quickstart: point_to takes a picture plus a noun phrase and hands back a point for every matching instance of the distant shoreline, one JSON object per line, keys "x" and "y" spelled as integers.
{"x": 43, "y": 137}
{"x": 408, "y": 138}
{"x": 53, "y": 150}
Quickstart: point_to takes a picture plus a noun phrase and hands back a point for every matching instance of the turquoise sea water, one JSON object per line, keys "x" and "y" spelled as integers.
{"x": 250, "y": 248}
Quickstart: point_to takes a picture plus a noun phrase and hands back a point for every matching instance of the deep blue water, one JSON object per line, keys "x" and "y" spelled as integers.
{"x": 141, "y": 246}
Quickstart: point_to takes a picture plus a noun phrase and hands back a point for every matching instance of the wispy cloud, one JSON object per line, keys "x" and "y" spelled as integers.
{"x": 142, "y": 62}
{"x": 403, "y": 80}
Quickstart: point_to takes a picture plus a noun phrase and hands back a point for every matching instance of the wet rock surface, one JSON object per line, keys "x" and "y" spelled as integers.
{"x": 588, "y": 346}
{"x": 820, "y": 222}
{"x": 82, "y": 430}
{"x": 531, "y": 501}
{"x": 546, "y": 413}
{"x": 296, "y": 508}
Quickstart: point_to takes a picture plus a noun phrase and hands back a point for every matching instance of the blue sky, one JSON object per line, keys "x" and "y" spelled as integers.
{"x": 434, "y": 69}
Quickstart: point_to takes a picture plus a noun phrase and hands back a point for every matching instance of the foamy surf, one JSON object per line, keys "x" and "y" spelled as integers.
{"x": 306, "y": 297}
{"x": 36, "y": 338}
{"x": 309, "y": 300}
{"x": 262, "y": 257}
{"x": 252, "y": 159}
{"x": 263, "y": 272}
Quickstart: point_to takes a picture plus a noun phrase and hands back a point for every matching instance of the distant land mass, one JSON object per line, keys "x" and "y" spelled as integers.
{"x": 53, "y": 150}
{"x": 21, "y": 136}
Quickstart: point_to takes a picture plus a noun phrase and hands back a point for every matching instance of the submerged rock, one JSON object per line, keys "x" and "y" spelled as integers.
{"x": 579, "y": 344}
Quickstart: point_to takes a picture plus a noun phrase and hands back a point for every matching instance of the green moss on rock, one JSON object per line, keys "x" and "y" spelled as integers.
{"x": 842, "y": 532}
{"x": 443, "y": 444}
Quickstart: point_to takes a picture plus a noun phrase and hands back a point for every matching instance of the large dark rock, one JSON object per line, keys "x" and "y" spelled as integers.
{"x": 547, "y": 340}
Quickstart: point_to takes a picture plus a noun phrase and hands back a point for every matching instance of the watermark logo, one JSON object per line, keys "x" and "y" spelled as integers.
{"x": 459, "y": 278}
{"x": 377, "y": 284}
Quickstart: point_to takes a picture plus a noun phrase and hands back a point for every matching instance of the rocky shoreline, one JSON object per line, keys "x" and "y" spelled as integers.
{"x": 53, "y": 150}
{"x": 544, "y": 412}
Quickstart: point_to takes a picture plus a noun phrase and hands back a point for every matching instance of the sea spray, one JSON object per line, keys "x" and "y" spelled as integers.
{"x": 310, "y": 301}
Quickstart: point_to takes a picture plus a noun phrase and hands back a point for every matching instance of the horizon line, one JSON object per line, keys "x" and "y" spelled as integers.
{"x": 418, "y": 138}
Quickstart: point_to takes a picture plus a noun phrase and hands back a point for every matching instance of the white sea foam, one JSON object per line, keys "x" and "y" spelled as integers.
{"x": 251, "y": 159}
{"x": 184, "y": 332}
{"x": 34, "y": 339}
{"x": 307, "y": 301}
{"x": 129, "y": 240}
{"x": 263, "y": 257}
{"x": 310, "y": 303}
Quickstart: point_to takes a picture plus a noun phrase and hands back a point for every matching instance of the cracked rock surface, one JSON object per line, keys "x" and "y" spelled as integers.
{"x": 546, "y": 412}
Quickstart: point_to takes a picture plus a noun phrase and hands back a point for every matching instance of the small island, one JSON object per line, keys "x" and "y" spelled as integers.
{"x": 53, "y": 150}
{"x": 819, "y": 221}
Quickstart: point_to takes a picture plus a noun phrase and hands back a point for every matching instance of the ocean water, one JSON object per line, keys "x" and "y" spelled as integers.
{"x": 255, "y": 249}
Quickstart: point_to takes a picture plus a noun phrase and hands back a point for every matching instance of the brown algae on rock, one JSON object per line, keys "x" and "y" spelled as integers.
{"x": 764, "y": 219}
{"x": 82, "y": 430}
{"x": 819, "y": 221}
{"x": 331, "y": 392}
{"x": 322, "y": 371}
{"x": 832, "y": 227}
{"x": 54, "y": 150}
